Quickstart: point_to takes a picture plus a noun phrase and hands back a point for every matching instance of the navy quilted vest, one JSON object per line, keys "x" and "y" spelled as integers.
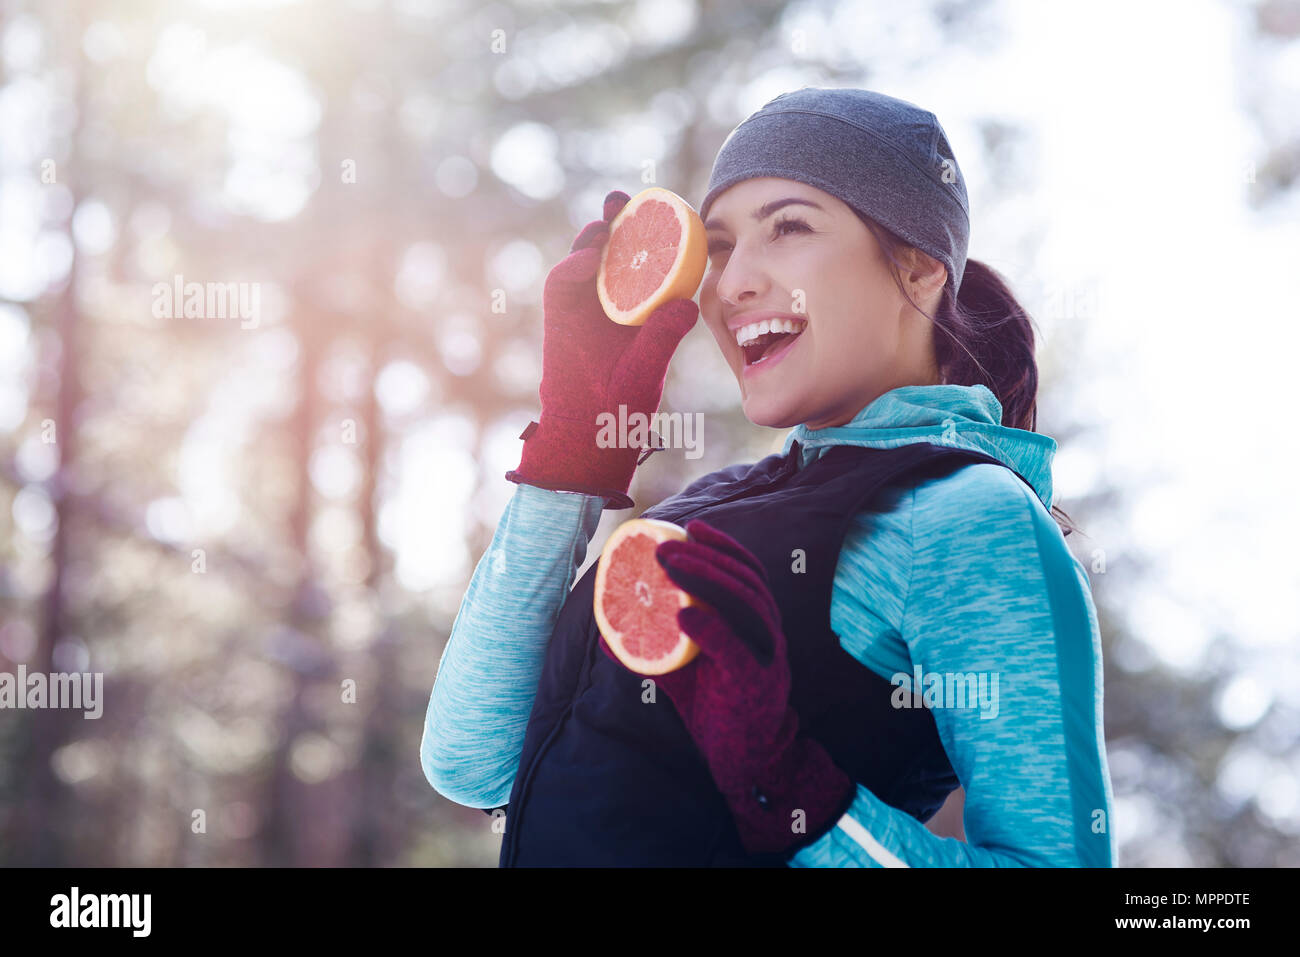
{"x": 607, "y": 779}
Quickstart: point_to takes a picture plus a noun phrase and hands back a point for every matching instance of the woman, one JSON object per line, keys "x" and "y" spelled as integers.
{"x": 891, "y": 611}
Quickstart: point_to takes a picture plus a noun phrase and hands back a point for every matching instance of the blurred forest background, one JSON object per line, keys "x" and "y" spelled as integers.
{"x": 233, "y": 519}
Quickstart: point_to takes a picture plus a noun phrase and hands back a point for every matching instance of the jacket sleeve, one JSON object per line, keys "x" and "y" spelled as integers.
{"x": 487, "y": 677}
{"x": 993, "y": 594}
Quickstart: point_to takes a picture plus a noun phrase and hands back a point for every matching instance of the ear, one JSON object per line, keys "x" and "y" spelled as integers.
{"x": 925, "y": 275}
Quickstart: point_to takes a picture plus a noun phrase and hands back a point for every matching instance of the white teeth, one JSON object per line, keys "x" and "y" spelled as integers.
{"x": 752, "y": 331}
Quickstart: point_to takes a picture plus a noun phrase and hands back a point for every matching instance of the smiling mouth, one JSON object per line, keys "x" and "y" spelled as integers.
{"x": 767, "y": 344}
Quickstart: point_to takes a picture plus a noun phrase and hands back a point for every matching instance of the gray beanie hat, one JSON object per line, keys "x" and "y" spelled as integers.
{"x": 887, "y": 158}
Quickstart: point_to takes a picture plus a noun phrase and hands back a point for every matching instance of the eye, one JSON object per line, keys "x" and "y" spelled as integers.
{"x": 779, "y": 227}
{"x": 778, "y": 230}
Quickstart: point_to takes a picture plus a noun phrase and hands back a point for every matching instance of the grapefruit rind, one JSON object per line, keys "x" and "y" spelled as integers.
{"x": 685, "y": 650}
{"x": 683, "y": 277}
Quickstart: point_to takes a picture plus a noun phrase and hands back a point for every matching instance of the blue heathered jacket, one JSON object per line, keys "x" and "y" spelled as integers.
{"x": 965, "y": 573}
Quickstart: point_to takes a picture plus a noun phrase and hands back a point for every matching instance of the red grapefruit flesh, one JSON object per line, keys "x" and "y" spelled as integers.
{"x": 657, "y": 251}
{"x": 636, "y": 603}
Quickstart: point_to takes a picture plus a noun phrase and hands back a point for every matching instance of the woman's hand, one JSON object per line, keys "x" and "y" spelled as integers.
{"x": 591, "y": 365}
{"x": 734, "y": 697}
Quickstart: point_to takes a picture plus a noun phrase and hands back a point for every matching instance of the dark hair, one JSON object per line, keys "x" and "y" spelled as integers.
{"x": 985, "y": 338}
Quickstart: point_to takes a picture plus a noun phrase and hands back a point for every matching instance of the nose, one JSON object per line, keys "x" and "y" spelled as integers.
{"x": 740, "y": 280}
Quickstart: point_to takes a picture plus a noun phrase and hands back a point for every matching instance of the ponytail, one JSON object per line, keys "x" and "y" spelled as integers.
{"x": 983, "y": 336}
{"x": 987, "y": 338}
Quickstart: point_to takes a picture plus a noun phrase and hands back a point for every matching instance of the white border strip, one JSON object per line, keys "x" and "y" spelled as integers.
{"x": 879, "y": 853}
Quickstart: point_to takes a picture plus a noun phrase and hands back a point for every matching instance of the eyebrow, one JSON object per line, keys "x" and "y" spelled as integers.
{"x": 767, "y": 209}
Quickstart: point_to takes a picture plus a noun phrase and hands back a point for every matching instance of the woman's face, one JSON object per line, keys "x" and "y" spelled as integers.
{"x": 813, "y": 259}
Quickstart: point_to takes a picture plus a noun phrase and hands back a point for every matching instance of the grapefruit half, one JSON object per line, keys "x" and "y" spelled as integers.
{"x": 636, "y": 603}
{"x": 656, "y": 252}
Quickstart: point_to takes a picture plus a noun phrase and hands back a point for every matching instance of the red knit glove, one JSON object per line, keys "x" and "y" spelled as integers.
{"x": 734, "y": 697}
{"x": 590, "y": 365}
